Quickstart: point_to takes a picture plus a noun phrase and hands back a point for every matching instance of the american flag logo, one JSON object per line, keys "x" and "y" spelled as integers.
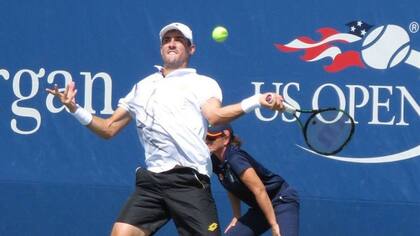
{"x": 328, "y": 46}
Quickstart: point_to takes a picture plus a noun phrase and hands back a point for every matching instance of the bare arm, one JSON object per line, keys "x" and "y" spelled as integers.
{"x": 235, "y": 203}
{"x": 216, "y": 114}
{"x": 250, "y": 178}
{"x": 105, "y": 128}
{"x": 108, "y": 128}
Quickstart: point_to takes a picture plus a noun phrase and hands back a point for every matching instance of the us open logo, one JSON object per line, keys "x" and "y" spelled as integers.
{"x": 362, "y": 47}
{"x": 382, "y": 48}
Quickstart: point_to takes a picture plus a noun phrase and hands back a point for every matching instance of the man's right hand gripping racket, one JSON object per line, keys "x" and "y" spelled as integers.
{"x": 326, "y": 131}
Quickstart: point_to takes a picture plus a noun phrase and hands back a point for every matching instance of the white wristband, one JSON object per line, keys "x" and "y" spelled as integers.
{"x": 82, "y": 115}
{"x": 251, "y": 103}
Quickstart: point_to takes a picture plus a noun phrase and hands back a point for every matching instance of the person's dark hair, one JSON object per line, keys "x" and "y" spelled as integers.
{"x": 235, "y": 141}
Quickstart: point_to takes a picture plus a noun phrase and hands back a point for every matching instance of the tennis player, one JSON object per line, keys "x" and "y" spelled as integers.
{"x": 171, "y": 108}
{"x": 273, "y": 203}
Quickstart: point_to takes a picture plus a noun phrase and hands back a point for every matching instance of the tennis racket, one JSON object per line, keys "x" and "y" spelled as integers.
{"x": 326, "y": 131}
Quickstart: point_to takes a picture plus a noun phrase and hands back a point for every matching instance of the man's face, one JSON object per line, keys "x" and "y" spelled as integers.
{"x": 175, "y": 50}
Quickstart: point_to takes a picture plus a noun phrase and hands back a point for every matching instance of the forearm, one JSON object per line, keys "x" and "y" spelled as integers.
{"x": 216, "y": 114}
{"x": 250, "y": 178}
{"x": 266, "y": 206}
{"x": 105, "y": 128}
{"x": 235, "y": 204}
{"x": 225, "y": 114}
{"x": 100, "y": 127}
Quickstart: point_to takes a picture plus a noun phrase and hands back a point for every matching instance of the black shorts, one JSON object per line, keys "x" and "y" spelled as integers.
{"x": 181, "y": 194}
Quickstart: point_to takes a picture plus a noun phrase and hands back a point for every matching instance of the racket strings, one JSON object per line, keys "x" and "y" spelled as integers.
{"x": 327, "y": 132}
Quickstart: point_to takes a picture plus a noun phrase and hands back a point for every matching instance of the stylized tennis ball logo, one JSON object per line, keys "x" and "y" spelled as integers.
{"x": 386, "y": 46}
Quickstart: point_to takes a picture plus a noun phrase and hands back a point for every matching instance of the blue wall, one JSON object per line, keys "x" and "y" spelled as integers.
{"x": 56, "y": 178}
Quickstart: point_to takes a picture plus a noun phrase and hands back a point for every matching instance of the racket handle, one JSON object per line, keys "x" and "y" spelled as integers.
{"x": 286, "y": 106}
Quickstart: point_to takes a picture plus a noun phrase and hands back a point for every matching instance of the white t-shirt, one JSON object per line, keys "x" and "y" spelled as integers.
{"x": 170, "y": 125}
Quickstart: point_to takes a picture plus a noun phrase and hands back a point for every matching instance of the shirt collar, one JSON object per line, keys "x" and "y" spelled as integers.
{"x": 177, "y": 72}
{"x": 226, "y": 153}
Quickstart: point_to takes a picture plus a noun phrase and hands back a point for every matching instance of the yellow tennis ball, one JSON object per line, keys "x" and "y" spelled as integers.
{"x": 219, "y": 34}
